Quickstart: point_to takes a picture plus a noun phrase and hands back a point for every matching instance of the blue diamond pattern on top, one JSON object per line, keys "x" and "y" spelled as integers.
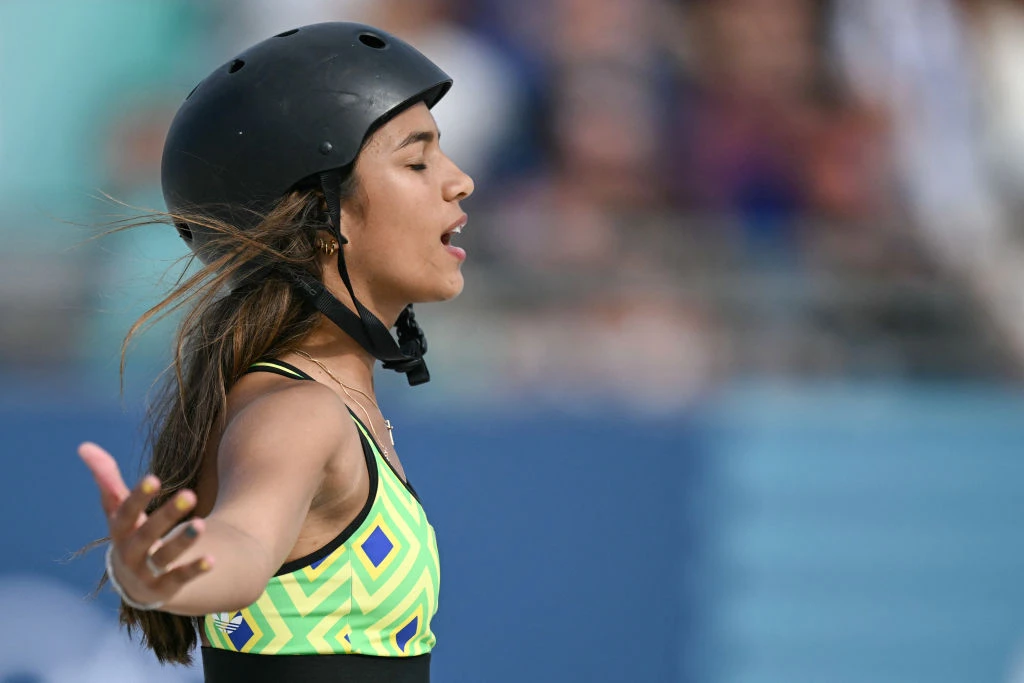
{"x": 377, "y": 546}
{"x": 407, "y": 632}
{"x": 316, "y": 564}
{"x": 241, "y": 635}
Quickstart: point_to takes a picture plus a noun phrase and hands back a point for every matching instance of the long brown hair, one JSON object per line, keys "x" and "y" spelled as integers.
{"x": 242, "y": 306}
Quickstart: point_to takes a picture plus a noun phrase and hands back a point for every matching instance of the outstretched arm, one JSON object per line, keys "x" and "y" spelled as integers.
{"x": 270, "y": 464}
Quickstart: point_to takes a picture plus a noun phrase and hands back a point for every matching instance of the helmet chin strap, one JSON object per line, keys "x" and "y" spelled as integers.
{"x": 406, "y": 355}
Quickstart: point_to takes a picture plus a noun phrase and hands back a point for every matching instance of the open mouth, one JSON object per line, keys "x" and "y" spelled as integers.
{"x": 446, "y": 239}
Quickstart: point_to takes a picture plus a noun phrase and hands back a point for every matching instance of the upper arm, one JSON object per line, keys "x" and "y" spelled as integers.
{"x": 271, "y": 462}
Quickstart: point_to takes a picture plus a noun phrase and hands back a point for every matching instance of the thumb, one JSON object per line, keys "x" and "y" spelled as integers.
{"x": 107, "y": 475}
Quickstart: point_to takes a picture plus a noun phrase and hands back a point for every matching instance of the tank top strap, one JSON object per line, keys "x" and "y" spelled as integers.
{"x": 278, "y": 367}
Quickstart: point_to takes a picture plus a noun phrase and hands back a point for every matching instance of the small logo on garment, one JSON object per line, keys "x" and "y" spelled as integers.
{"x": 224, "y": 622}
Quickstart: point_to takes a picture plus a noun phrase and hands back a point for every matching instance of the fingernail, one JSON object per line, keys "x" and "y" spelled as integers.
{"x": 182, "y": 503}
{"x": 149, "y": 486}
{"x": 190, "y": 531}
{"x": 204, "y": 565}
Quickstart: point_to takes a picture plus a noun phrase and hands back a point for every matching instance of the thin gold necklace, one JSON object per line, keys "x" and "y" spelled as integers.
{"x": 345, "y": 388}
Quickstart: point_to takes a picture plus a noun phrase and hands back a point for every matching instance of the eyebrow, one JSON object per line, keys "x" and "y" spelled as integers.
{"x": 418, "y": 136}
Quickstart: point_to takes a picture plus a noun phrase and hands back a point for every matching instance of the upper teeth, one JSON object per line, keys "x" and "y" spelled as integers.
{"x": 457, "y": 229}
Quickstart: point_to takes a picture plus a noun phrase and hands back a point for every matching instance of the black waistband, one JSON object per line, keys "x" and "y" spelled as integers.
{"x": 225, "y": 666}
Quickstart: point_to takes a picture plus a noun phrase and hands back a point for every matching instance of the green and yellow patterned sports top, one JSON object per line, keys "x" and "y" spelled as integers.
{"x": 371, "y": 591}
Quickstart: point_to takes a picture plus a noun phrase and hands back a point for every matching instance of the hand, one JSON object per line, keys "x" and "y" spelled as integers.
{"x": 143, "y": 549}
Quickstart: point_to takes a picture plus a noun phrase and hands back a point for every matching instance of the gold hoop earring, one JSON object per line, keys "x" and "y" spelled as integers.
{"x": 327, "y": 247}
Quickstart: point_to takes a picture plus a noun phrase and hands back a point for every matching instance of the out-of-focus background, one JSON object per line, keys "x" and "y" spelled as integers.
{"x": 733, "y": 394}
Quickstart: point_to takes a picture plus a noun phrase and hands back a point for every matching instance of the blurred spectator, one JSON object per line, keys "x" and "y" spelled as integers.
{"x": 762, "y": 131}
{"x": 916, "y": 58}
{"x": 995, "y": 31}
{"x": 602, "y": 30}
{"x": 600, "y": 192}
{"x": 597, "y": 212}
{"x": 912, "y": 58}
{"x": 601, "y": 186}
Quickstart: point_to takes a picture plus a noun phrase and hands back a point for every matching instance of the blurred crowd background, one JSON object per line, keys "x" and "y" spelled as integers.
{"x": 784, "y": 232}
{"x": 721, "y": 188}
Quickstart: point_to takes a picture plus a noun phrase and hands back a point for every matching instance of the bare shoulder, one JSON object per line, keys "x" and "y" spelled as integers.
{"x": 281, "y": 444}
{"x": 304, "y": 418}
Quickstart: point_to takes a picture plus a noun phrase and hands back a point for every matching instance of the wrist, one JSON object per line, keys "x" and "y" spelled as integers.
{"x": 115, "y": 584}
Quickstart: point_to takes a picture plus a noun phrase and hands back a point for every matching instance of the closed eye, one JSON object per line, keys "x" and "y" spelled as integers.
{"x": 418, "y": 167}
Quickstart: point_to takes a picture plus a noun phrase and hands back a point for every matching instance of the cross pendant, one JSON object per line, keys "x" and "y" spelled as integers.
{"x": 391, "y": 434}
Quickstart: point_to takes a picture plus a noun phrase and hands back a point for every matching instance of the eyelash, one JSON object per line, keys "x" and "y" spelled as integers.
{"x": 418, "y": 167}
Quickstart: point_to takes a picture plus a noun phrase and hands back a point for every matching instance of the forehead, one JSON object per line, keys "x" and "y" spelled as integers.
{"x": 388, "y": 137}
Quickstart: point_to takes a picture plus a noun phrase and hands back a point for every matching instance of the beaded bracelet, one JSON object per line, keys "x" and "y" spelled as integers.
{"x": 120, "y": 591}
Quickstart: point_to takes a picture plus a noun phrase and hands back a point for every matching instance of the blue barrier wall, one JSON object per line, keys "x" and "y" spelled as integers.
{"x": 868, "y": 533}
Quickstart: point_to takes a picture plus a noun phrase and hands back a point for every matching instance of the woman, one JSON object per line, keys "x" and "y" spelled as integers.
{"x": 277, "y": 522}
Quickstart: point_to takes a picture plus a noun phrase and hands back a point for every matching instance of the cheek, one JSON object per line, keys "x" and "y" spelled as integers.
{"x": 399, "y": 235}
{"x": 403, "y": 217}
{"x": 393, "y": 246}
{"x": 397, "y": 197}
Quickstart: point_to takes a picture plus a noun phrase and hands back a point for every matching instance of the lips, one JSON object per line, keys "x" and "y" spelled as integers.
{"x": 453, "y": 230}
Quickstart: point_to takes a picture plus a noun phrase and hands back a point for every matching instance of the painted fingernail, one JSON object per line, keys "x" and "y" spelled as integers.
{"x": 149, "y": 486}
{"x": 204, "y": 565}
{"x": 191, "y": 532}
{"x": 182, "y": 503}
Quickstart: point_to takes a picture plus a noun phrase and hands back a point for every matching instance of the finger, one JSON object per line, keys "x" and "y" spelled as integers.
{"x": 157, "y": 525}
{"x": 178, "y": 542}
{"x": 107, "y": 475}
{"x": 132, "y": 511}
{"x": 173, "y": 580}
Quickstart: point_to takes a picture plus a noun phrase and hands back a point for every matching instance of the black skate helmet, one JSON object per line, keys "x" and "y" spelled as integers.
{"x": 288, "y": 111}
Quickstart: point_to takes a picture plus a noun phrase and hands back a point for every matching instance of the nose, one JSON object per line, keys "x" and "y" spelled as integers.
{"x": 459, "y": 185}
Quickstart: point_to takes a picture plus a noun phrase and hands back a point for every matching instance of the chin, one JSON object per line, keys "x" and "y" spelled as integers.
{"x": 449, "y": 290}
{"x": 455, "y": 289}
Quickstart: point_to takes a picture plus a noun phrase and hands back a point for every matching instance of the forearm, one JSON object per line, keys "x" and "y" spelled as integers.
{"x": 240, "y": 571}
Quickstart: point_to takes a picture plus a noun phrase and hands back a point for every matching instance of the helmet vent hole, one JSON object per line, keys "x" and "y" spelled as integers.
{"x": 372, "y": 40}
{"x": 192, "y": 91}
{"x": 236, "y": 66}
{"x": 184, "y": 231}
{"x": 287, "y": 33}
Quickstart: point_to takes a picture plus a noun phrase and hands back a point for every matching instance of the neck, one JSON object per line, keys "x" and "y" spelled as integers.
{"x": 353, "y": 364}
{"x": 348, "y": 360}
{"x": 385, "y": 308}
